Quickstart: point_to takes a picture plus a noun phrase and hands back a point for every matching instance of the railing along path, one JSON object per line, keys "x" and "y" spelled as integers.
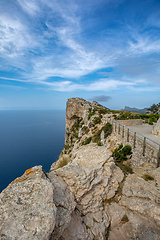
{"x": 121, "y": 129}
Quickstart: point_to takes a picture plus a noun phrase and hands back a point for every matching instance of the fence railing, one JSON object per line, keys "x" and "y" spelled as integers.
{"x": 122, "y": 130}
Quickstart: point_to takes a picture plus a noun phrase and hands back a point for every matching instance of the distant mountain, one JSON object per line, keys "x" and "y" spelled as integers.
{"x": 135, "y": 110}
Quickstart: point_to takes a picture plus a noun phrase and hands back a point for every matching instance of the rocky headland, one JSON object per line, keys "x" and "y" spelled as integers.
{"x": 87, "y": 194}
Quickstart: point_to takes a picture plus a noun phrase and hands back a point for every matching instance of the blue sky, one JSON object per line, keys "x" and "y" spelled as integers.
{"x": 103, "y": 50}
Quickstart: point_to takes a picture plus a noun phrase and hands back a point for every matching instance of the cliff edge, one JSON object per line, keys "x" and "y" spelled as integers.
{"x": 85, "y": 195}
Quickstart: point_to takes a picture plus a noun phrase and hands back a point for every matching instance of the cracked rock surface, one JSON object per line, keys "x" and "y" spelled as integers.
{"x": 27, "y": 210}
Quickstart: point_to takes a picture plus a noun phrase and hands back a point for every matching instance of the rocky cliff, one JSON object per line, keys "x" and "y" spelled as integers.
{"x": 85, "y": 195}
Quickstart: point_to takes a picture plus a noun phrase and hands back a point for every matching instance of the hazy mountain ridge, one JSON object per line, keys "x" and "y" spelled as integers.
{"x": 135, "y": 110}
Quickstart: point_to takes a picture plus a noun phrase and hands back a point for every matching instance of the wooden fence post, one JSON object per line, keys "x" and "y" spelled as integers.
{"x": 144, "y": 146}
{"x": 158, "y": 157}
{"x": 134, "y": 143}
{"x": 128, "y": 135}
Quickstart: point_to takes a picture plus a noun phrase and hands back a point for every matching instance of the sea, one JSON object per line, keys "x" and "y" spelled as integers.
{"x": 29, "y": 138}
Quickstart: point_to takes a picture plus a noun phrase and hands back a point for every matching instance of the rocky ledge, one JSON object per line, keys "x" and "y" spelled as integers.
{"x": 85, "y": 195}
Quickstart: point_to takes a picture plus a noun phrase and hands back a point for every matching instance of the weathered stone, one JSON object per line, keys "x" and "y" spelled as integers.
{"x": 64, "y": 201}
{"x": 156, "y": 128}
{"x": 141, "y": 196}
{"x": 128, "y": 225}
{"x": 77, "y": 229}
{"x": 27, "y": 210}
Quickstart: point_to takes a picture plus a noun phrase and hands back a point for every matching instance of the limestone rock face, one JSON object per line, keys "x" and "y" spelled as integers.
{"x": 27, "y": 210}
{"x": 65, "y": 204}
{"x": 137, "y": 214}
{"x": 81, "y": 118}
{"x": 92, "y": 178}
{"x": 128, "y": 224}
{"x": 156, "y": 128}
{"x": 143, "y": 197}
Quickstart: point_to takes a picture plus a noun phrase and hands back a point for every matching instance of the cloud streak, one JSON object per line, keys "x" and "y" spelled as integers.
{"x": 46, "y": 39}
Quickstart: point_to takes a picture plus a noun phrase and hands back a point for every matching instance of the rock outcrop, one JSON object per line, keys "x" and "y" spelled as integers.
{"x": 156, "y": 128}
{"x": 27, "y": 210}
{"x": 85, "y": 195}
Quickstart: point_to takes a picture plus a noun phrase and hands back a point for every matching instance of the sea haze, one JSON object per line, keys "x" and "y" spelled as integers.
{"x": 29, "y": 138}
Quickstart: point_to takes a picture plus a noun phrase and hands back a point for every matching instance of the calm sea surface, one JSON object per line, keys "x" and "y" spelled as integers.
{"x": 29, "y": 138}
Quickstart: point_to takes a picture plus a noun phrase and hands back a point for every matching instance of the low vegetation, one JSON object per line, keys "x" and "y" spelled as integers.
{"x": 87, "y": 141}
{"x": 99, "y": 143}
{"x": 124, "y": 219}
{"x": 147, "y": 177}
{"x": 120, "y": 155}
{"x": 148, "y": 118}
{"x": 62, "y": 162}
{"x": 107, "y": 131}
{"x": 97, "y": 120}
{"x": 91, "y": 113}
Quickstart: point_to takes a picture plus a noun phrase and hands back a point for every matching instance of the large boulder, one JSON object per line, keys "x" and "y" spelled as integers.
{"x": 27, "y": 210}
{"x": 92, "y": 177}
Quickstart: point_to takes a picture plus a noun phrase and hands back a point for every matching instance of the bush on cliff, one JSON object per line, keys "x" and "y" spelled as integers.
{"x": 97, "y": 120}
{"x": 107, "y": 131}
{"x": 87, "y": 141}
{"x": 62, "y": 162}
{"x": 121, "y": 154}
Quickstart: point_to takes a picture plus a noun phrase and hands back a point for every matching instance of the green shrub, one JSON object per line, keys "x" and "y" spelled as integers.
{"x": 97, "y": 120}
{"x": 91, "y": 113}
{"x": 85, "y": 129}
{"x": 120, "y": 154}
{"x": 74, "y": 117}
{"x": 124, "y": 219}
{"x": 62, "y": 162}
{"x": 107, "y": 129}
{"x": 77, "y": 124}
{"x": 99, "y": 143}
{"x": 148, "y": 177}
{"x": 97, "y": 137}
{"x": 127, "y": 150}
{"x": 87, "y": 141}
{"x": 125, "y": 168}
{"x": 103, "y": 111}
{"x": 150, "y": 122}
{"x": 120, "y": 146}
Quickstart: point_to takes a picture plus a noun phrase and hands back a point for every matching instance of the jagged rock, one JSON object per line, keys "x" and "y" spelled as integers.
{"x": 64, "y": 201}
{"x": 92, "y": 178}
{"x": 156, "y": 128}
{"x": 77, "y": 229}
{"x": 27, "y": 210}
{"x": 141, "y": 196}
{"x": 128, "y": 224}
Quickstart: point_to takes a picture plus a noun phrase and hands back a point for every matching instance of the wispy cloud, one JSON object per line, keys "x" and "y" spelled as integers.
{"x": 99, "y": 85}
{"x": 14, "y": 79}
{"x": 48, "y": 39}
